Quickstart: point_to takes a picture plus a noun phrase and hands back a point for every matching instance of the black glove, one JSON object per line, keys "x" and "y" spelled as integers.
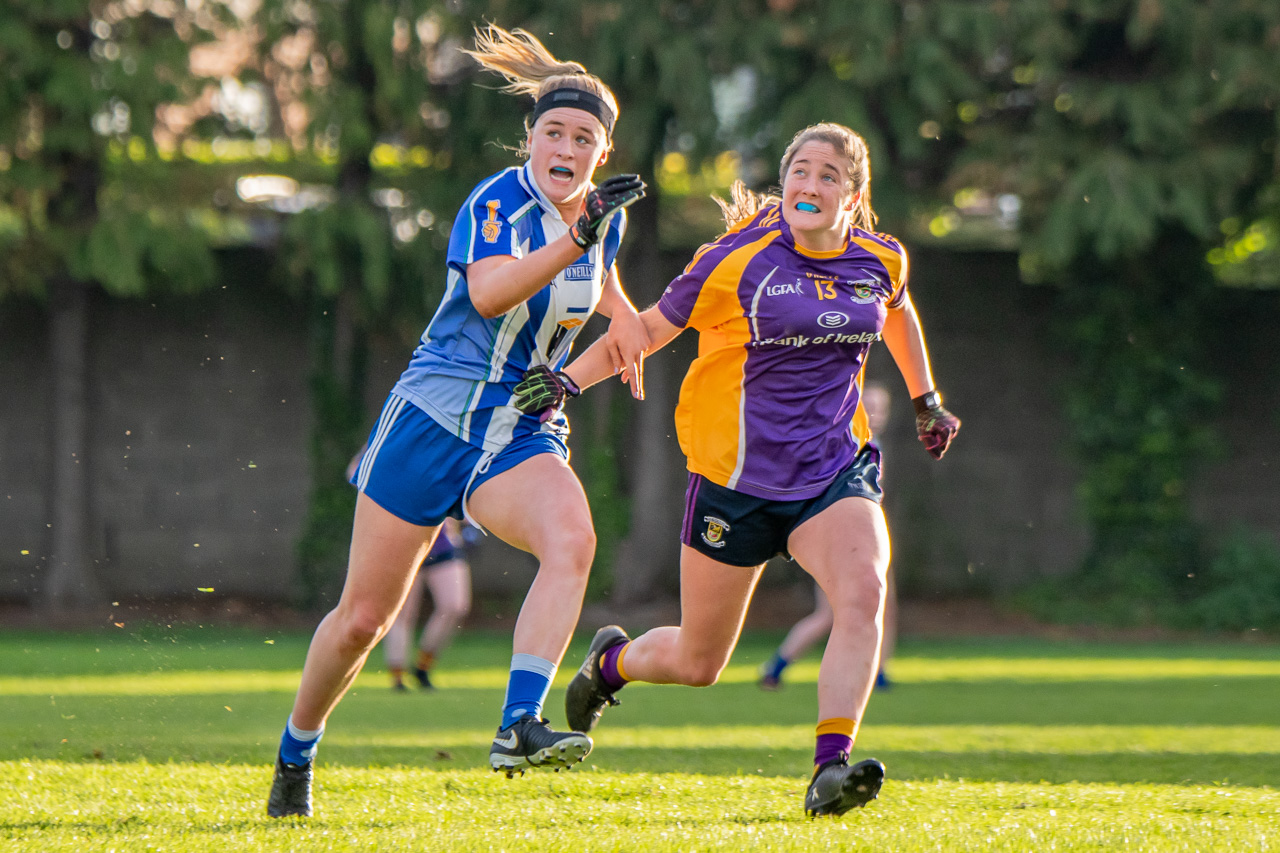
{"x": 542, "y": 392}
{"x": 612, "y": 195}
{"x": 935, "y": 426}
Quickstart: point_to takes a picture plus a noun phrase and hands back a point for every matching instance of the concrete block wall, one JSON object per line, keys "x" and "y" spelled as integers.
{"x": 200, "y": 422}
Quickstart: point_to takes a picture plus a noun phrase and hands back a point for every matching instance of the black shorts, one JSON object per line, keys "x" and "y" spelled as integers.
{"x": 741, "y": 530}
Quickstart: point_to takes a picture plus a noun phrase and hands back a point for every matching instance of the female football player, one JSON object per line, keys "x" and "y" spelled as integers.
{"x": 531, "y": 257}
{"x": 786, "y": 304}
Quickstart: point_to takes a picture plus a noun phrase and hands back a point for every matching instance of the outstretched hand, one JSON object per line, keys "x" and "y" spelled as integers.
{"x": 627, "y": 340}
{"x": 542, "y": 392}
{"x": 935, "y": 426}
{"x": 612, "y": 195}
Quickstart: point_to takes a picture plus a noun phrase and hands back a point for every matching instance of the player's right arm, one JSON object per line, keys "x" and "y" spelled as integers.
{"x": 499, "y": 283}
{"x": 596, "y": 365}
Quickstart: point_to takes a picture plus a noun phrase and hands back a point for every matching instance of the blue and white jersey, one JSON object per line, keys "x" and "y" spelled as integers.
{"x": 466, "y": 367}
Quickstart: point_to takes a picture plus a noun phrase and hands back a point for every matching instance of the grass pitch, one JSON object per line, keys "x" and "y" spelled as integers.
{"x": 149, "y": 738}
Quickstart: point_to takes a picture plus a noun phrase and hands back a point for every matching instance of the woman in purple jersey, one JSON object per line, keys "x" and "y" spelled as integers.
{"x": 786, "y": 304}
{"x": 425, "y": 461}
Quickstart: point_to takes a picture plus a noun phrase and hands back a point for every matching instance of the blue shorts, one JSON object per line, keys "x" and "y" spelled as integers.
{"x": 420, "y": 472}
{"x": 741, "y": 530}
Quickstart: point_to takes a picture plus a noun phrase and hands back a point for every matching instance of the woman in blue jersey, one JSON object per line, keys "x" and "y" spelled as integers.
{"x": 531, "y": 257}
{"x": 787, "y": 304}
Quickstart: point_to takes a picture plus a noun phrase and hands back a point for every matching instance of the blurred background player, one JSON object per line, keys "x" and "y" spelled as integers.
{"x": 447, "y": 576}
{"x": 817, "y": 625}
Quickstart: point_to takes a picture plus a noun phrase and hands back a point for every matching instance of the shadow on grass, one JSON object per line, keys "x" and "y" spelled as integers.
{"x": 1256, "y": 769}
{"x": 449, "y": 729}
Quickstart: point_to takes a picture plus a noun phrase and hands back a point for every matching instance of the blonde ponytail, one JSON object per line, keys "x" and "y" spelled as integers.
{"x": 531, "y": 69}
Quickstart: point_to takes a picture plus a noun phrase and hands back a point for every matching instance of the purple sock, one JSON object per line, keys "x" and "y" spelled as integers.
{"x": 609, "y": 666}
{"x": 830, "y": 747}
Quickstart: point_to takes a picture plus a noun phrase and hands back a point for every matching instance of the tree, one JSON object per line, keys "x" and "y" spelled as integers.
{"x": 1135, "y": 135}
{"x": 77, "y": 174}
{"x": 1132, "y": 131}
{"x": 381, "y": 94}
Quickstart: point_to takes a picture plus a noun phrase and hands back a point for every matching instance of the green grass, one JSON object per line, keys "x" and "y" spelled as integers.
{"x": 154, "y": 739}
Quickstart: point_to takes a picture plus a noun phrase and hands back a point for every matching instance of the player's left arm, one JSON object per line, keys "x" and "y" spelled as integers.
{"x": 904, "y": 336}
{"x": 627, "y": 339}
{"x": 905, "y": 339}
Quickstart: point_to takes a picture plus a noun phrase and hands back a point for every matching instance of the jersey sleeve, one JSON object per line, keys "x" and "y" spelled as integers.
{"x": 699, "y": 293}
{"x": 898, "y": 297}
{"x": 706, "y": 293}
{"x": 482, "y": 229}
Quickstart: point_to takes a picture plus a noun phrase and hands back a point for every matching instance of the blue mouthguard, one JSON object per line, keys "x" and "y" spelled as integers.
{"x": 806, "y": 207}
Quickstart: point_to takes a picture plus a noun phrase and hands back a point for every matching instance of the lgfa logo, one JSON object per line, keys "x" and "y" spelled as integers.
{"x": 782, "y": 289}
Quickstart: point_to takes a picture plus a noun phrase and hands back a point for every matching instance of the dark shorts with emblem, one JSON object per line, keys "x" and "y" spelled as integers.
{"x": 741, "y": 530}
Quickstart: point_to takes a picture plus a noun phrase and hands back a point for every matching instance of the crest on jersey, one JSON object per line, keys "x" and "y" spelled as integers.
{"x": 716, "y": 529}
{"x": 864, "y": 290}
{"x": 492, "y": 227}
{"x": 571, "y": 323}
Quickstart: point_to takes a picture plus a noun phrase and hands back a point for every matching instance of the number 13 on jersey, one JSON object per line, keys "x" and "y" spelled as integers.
{"x": 826, "y": 288}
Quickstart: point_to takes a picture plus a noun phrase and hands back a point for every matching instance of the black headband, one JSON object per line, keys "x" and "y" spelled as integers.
{"x": 577, "y": 99}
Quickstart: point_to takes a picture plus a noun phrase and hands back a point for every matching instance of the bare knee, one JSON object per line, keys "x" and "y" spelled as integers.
{"x": 861, "y": 593}
{"x": 700, "y": 672}
{"x": 361, "y": 627}
{"x": 572, "y": 550}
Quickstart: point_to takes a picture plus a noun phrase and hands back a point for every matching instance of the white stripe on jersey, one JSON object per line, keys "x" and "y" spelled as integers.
{"x": 742, "y": 397}
{"x": 474, "y": 224}
{"x": 501, "y": 426}
{"x": 512, "y": 324}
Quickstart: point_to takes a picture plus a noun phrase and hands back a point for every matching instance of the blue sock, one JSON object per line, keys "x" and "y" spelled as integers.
{"x": 775, "y": 666}
{"x": 298, "y": 746}
{"x": 526, "y": 687}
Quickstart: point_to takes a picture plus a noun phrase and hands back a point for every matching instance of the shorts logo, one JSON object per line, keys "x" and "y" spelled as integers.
{"x": 716, "y": 529}
{"x": 864, "y": 290}
{"x": 833, "y": 319}
{"x": 492, "y": 227}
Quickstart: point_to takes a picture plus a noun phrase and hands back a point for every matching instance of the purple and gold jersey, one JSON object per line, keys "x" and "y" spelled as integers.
{"x": 771, "y": 407}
